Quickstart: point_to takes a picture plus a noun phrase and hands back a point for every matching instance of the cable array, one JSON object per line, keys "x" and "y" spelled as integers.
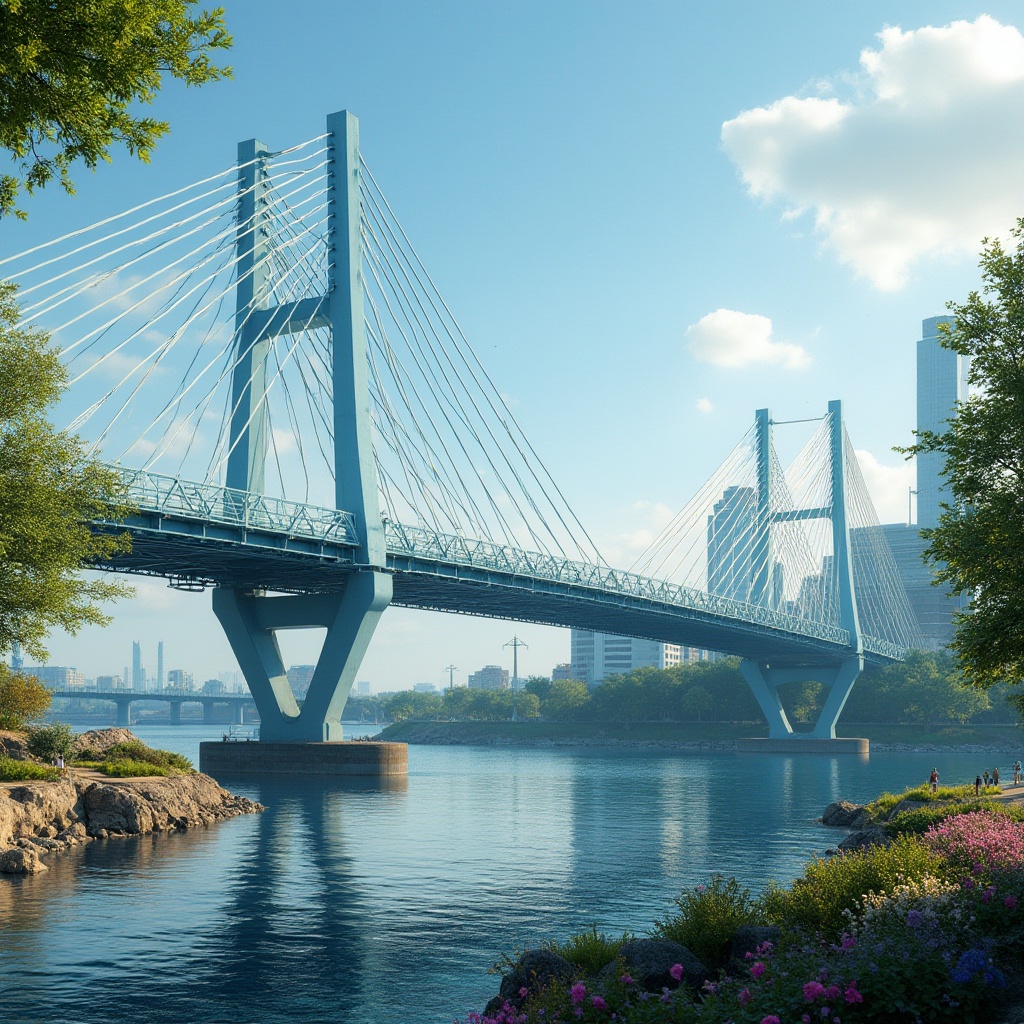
{"x": 776, "y": 550}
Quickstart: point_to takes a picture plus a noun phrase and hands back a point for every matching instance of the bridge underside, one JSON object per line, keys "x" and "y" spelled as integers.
{"x": 222, "y": 556}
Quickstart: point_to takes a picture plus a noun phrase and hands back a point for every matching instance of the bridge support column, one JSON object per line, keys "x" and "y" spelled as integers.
{"x": 237, "y": 713}
{"x": 251, "y": 622}
{"x": 207, "y": 712}
{"x": 175, "y": 712}
{"x": 124, "y": 713}
{"x": 765, "y": 681}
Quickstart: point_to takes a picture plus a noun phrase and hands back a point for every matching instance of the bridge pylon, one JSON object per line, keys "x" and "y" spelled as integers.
{"x": 251, "y": 619}
{"x": 837, "y": 675}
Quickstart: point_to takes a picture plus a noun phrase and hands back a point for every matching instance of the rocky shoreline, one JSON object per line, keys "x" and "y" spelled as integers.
{"x": 441, "y": 734}
{"x": 40, "y": 819}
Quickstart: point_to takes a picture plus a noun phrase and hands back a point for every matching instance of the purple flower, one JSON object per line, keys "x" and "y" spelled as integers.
{"x": 677, "y": 971}
{"x": 599, "y": 1003}
{"x": 578, "y": 991}
{"x": 770, "y": 1019}
{"x": 524, "y": 992}
{"x": 833, "y": 992}
{"x": 852, "y": 995}
{"x": 914, "y": 919}
{"x": 848, "y": 942}
{"x": 825, "y": 1012}
{"x": 757, "y": 970}
{"x": 812, "y": 990}
{"x": 1010, "y": 902}
{"x": 805, "y": 1019}
{"x": 744, "y": 996}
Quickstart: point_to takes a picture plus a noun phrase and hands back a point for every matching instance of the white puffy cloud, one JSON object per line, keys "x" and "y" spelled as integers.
{"x": 704, "y": 405}
{"x": 922, "y": 159}
{"x": 731, "y": 339}
{"x": 888, "y": 486}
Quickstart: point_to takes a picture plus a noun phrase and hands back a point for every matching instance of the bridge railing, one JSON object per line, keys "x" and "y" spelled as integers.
{"x": 426, "y": 544}
{"x": 168, "y": 495}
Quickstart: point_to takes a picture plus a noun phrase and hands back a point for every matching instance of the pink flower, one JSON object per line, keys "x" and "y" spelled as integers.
{"x": 677, "y": 971}
{"x": 833, "y": 992}
{"x": 627, "y": 980}
{"x": 812, "y": 990}
{"x": 599, "y": 1003}
{"x": 757, "y": 970}
{"x": 770, "y": 1019}
{"x": 578, "y": 991}
{"x": 524, "y": 992}
{"x": 744, "y": 996}
{"x": 848, "y": 942}
{"x": 805, "y": 1019}
{"x": 1010, "y": 902}
{"x": 852, "y": 995}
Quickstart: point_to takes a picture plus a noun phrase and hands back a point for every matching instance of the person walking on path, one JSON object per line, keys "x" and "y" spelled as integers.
{"x": 933, "y": 780}
{"x": 985, "y": 777}
{"x": 977, "y": 785}
{"x": 995, "y": 776}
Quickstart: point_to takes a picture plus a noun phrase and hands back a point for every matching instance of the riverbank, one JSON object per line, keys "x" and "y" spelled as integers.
{"x": 40, "y": 819}
{"x": 713, "y": 736}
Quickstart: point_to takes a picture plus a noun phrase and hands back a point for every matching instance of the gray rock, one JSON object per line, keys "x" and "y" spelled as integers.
{"x": 20, "y": 862}
{"x": 534, "y": 970}
{"x": 649, "y": 962}
{"x": 874, "y": 835}
{"x": 843, "y": 814}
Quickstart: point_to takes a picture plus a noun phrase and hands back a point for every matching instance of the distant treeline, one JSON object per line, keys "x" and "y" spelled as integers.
{"x": 925, "y": 689}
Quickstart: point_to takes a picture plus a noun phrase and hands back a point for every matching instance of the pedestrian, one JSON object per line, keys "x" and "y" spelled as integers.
{"x": 977, "y": 785}
{"x": 1016, "y": 773}
{"x": 995, "y": 776}
{"x": 60, "y": 764}
{"x": 985, "y": 777}
{"x": 933, "y": 780}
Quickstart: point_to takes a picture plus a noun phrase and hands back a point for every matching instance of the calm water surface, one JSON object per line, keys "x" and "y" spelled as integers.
{"x": 364, "y": 903}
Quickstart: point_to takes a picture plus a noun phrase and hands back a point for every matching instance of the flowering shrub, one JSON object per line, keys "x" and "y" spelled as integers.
{"x": 979, "y": 838}
{"x": 904, "y": 933}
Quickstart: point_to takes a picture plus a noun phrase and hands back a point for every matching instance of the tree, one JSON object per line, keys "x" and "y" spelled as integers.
{"x": 72, "y": 75}
{"x": 22, "y": 698}
{"x": 49, "y": 742}
{"x": 49, "y": 491}
{"x": 978, "y": 546}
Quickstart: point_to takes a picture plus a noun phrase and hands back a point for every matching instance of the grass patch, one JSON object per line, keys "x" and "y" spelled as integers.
{"x": 708, "y": 918}
{"x": 25, "y": 771}
{"x": 881, "y": 807}
{"x": 128, "y": 769}
{"x": 917, "y": 822}
{"x": 818, "y": 901}
{"x": 589, "y": 951}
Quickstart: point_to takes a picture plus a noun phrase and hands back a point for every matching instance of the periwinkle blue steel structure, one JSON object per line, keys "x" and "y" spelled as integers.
{"x": 838, "y": 676}
{"x": 350, "y": 614}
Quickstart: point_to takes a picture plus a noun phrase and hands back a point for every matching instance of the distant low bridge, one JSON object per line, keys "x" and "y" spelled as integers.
{"x": 238, "y": 703}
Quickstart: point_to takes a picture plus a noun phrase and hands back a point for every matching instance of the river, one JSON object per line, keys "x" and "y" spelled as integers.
{"x": 364, "y": 903}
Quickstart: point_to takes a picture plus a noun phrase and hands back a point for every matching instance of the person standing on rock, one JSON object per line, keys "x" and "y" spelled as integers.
{"x": 933, "y": 780}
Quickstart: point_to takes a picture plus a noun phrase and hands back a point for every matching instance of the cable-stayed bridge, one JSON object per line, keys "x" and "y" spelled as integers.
{"x": 302, "y": 425}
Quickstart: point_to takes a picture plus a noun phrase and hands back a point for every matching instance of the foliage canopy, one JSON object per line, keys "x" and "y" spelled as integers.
{"x": 978, "y": 546}
{"x": 72, "y": 75}
{"x": 22, "y": 698}
{"x": 49, "y": 490}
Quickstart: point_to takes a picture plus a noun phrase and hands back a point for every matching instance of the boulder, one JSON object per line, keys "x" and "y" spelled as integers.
{"x": 13, "y": 745}
{"x": 100, "y": 739}
{"x": 533, "y": 971}
{"x": 874, "y": 835}
{"x": 843, "y": 814}
{"x": 649, "y": 962}
{"x": 750, "y": 937}
{"x": 20, "y": 861}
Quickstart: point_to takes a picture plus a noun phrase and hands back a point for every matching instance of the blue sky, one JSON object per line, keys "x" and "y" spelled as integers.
{"x": 650, "y": 219}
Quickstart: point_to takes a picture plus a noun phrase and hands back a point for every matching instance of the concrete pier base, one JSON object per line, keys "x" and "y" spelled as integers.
{"x": 352, "y": 757}
{"x": 803, "y": 745}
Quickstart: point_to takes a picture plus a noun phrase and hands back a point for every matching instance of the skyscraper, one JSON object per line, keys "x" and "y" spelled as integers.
{"x": 160, "y": 665}
{"x": 138, "y": 672}
{"x": 595, "y": 656}
{"x": 941, "y": 383}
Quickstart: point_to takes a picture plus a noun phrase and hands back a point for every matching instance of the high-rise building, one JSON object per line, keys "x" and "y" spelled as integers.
{"x": 490, "y": 677}
{"x": 595, "y": 656}
{"x": 160, "y": 665}
{"x": 941, "y": 383}
{"x": 138, "y": 672}
{"x": 299, "y": 678}
{"x": 362, "y": 687}
{"x": 57, "y": 677}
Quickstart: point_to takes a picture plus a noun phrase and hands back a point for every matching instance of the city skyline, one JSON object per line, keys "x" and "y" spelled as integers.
{"x": 646, "y": 233}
